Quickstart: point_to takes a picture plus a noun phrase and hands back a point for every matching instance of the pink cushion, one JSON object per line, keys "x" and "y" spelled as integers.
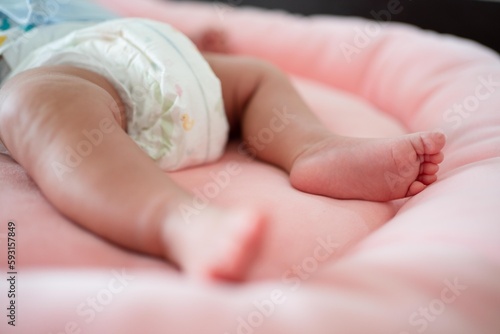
{"x": 438, "y": 252}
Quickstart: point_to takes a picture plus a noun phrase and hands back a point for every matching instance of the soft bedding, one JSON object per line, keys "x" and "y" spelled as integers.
{"x": 428, "y": 264}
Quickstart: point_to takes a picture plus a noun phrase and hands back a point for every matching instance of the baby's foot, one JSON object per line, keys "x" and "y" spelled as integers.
{"x": 214, "y": 244}
{"x": 369, "y": 169}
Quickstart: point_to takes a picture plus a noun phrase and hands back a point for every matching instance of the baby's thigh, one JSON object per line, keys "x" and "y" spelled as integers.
{"x": 32, "y": 88}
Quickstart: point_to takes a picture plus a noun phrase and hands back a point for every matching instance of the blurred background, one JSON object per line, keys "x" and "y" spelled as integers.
{"x": 474, "y": 19}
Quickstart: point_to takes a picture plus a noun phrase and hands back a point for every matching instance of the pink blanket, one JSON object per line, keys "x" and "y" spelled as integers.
{"x": 429, "y": 264}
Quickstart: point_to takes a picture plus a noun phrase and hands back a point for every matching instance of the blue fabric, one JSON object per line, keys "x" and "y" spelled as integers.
{"x": 29, "y": 13}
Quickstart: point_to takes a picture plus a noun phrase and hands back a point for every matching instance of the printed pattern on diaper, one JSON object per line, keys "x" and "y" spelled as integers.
{"x": 187, "y": 122}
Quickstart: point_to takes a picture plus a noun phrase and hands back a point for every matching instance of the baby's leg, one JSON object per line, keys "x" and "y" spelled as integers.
{"x": 279, "y": 128}
{"x": 65, "y": 127}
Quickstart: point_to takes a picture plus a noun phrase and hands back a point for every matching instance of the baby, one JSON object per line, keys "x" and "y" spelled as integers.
{"x": 97, "y": 108}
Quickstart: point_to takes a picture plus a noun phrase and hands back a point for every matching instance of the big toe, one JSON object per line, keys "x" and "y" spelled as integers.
{"x": 432, "y": 142}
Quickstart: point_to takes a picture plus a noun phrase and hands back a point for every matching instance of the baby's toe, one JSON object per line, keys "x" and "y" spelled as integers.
{"x": 428, "y": 168}
{"x": 427, "y": 179}
{"x": 434, "y": 158}
{"x": 415, "y": 188}
{"x": 433, "y": 142}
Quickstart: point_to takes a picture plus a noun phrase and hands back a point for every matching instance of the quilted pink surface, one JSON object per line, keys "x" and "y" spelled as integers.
{"x": 429, "y": 264}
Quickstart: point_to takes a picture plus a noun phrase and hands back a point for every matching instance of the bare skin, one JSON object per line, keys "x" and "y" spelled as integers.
{"x": 119, "y": 193}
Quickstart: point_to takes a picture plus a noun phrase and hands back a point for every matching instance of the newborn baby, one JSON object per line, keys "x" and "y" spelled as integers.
{"x": 97, "y": 108}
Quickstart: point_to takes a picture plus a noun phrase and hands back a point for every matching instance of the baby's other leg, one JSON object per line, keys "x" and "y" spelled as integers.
{"x": 280, "y": 129}
{"x": 64, "y": 125}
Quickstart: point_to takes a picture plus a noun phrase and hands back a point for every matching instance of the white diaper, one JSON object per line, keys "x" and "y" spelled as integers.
{"x": 173, "y": 100}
